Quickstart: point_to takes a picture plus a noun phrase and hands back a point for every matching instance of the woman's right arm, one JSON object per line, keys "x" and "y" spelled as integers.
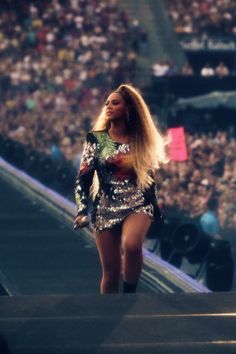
{"x": 85, "y": 177}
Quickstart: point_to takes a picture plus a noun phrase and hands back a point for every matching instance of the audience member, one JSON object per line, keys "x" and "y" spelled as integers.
{"x": 209, "y": 220}
{"x": 207, "y": 71}
{"x": 221, "y": 70}
{"x": 187, "y": 70}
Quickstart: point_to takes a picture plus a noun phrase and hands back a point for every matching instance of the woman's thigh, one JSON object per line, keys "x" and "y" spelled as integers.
{"x": 135, "y": 228}
{"x": 109, "y": 245}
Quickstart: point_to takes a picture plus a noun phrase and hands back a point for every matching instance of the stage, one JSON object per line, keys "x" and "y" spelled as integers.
{"x": 132, "y": 323}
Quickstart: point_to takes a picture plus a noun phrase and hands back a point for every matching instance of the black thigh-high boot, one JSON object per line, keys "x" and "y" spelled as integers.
{"x": 129, "y": 288}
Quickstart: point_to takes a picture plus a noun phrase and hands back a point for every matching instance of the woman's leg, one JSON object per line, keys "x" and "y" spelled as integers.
{"x": 109, "y": 245}
{"x": 134, "y": 230}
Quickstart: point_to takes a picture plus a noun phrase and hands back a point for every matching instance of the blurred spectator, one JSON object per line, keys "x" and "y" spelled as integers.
{"x": 172, "y": 70}
{"x": 56, "y": 153}
{"x": 207, "y": 71}
{"x": 221, "y": 70}
{"x": 187, "y": 70}
{"x": 209, "y": 220}
{"x": 160, "y": 68}
{"x": 166, "y": 68}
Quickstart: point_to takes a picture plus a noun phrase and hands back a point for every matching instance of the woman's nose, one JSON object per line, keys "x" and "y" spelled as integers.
{"x": 108, "y": 107}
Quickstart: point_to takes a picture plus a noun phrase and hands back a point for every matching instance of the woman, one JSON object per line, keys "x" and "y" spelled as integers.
{"x": 123, "y": 150}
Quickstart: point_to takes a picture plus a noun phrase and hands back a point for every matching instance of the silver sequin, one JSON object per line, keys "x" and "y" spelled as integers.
{"x": 118, "y": 195}
{"x": 127, "y": 198}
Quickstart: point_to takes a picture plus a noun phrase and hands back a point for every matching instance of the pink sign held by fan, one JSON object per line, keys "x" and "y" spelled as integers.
{"x": 177, "y": 146}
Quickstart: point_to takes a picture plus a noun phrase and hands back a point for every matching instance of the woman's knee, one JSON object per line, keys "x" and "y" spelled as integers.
{"x": 131, "y": 246}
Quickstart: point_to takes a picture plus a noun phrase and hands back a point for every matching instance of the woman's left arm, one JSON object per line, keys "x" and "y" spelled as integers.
{"x": 154, "y": 193}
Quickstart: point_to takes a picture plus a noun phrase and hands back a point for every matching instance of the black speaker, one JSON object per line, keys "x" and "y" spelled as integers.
{"x": 185, "y": 238}
{"x": 219, "y": 277}
{"x": 168, "y": 252}
{"x": 166, "y": 247}
{"x": 200, "y": 251}
{"x": 219, "y": 266}
{"x": 219, "y": 252}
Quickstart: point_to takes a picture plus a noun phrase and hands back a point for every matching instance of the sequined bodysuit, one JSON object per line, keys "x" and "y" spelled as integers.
{"x": 118, "y": 193}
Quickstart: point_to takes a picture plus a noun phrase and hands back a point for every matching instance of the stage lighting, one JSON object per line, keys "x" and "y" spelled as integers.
{"x": 179, "y": 240}
{"x": 167, "y": 250}
{"x": 200, "y": 251}
{"x": 168, "y": 253}
{"x": 185, "y": 238}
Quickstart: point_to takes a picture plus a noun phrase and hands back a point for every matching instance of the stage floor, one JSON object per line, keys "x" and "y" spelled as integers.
{"x": 119, "y": 324}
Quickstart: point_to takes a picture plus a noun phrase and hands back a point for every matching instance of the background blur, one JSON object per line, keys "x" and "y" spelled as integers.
{"x": 59, "y": 59}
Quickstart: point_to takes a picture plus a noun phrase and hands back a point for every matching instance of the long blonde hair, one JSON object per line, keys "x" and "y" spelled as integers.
{"x": 148, "y": 144}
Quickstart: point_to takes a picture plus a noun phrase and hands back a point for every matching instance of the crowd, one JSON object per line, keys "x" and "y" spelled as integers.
{"x": 168, "y": 69}
{"x": 210, "y": 171}
{"x": 164, "y": 68}
{"x": 215, "y": 17}
{"x": 57, "y": 58}
{"x": 221, "y": 70}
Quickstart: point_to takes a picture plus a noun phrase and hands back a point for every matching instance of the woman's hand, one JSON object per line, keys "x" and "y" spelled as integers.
{"x": 81, "y": 221}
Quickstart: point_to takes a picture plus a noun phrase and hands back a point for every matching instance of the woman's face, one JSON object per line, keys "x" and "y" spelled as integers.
{"x": 115, "y": 107}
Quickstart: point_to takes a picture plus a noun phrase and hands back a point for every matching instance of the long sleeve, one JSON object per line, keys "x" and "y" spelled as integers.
{"x": 85, "y": 176}
{"x": 152, "y": 196}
